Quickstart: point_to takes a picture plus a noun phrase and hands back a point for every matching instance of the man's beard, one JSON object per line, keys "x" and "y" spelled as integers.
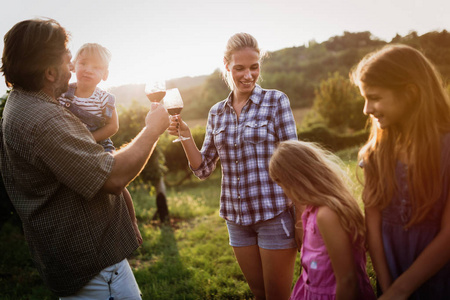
{"x": 62, "y": 83}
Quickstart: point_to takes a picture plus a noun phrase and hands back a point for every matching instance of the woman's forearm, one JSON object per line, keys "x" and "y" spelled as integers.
{"x": 192, "y": 153}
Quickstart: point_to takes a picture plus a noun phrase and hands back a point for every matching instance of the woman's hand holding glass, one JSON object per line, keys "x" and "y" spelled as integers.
{"x": 178, "y": 127}
{"x": 174, "y": 104}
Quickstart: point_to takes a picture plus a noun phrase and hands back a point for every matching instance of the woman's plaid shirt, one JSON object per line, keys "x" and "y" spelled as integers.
{"x": 244, "y": 147}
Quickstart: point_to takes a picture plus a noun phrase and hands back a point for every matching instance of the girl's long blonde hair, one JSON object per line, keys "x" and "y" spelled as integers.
{"x": 413, "y": 78}
{"x": 314, "y": 176}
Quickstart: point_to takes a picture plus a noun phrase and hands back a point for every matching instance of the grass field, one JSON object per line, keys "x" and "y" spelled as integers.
{"x": 187, "y": 259}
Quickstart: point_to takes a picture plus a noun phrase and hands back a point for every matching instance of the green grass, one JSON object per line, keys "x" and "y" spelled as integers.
{"x": 187, "y": 259}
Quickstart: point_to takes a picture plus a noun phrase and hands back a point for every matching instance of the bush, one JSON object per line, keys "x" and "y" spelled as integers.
{"x": 331, "y": 140}
{"x": 131, "y": 122}
{"x": 339, "y": 104}
{"x": 175, "y": 158}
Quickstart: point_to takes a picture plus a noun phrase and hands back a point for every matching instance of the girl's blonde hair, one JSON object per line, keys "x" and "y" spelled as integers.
{"x": 96, "y": 51}
{"x": 314, "y": 176}
{"x": 235, "y": 43}
{"x": 414, "y": 79}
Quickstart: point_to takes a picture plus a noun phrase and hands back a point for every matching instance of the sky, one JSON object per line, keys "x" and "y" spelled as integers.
{"x": 164, "y": 39}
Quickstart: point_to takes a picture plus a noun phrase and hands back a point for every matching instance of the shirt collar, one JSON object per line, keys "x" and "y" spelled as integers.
{"x": 37, "y": 94}
{"x": 255, "y": 97}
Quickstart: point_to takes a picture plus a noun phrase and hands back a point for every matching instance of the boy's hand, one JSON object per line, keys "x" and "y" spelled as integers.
{"x": 137, "y": 232}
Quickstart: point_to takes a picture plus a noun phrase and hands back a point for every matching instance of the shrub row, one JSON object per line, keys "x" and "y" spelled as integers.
{"x": 331, "y": 139}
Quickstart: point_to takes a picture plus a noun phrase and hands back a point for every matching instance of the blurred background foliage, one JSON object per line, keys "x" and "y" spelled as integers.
{"x": 315, "y": 78}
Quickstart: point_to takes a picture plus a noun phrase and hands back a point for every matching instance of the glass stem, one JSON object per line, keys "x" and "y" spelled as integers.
{"x": 179, "y": 132}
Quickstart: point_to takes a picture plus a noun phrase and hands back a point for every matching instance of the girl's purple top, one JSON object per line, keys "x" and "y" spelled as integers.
{"x": 317, "y": 281}
{"x": 402, "y": 246}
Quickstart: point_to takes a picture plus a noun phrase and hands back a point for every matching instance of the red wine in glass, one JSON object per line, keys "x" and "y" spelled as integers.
{"x": 174, "y": 104}
{"x": 155, "y": 89}
{"x": 156, "y": 96}
{"x": 174, "y": 110}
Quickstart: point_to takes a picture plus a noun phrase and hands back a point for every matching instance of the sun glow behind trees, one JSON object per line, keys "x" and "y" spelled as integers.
{"x": 175, "y": 38}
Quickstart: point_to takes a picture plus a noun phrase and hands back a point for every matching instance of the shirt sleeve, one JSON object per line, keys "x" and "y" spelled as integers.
{"x": 108, "y": 104}
{"x": 285, "y": 126}
{"x": 64, "y": 146}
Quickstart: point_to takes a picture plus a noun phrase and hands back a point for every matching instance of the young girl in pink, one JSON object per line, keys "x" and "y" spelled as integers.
{"x": 333, "y": 253}
{"x": 406, "y": 164}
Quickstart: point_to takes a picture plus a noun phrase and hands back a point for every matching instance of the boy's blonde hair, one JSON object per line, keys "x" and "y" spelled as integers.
{"x": 314, "y": 176}
{"x": 94, "y": 50}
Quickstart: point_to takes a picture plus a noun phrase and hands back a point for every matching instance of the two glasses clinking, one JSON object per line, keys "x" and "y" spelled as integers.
{"x": 171, "y": 99}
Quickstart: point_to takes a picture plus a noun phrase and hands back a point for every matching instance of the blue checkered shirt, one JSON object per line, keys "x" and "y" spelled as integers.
{"x": 244, "y": 147}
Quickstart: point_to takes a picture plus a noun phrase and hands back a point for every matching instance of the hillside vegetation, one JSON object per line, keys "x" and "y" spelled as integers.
{"x": 298, "y": 71}
{"x": 189, "y": 258}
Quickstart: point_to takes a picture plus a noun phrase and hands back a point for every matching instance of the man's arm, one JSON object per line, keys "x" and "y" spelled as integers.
{"x": 131, "y": 159}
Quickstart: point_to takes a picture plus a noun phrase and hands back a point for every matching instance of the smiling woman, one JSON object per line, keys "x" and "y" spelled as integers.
{"x": 242, "y": 131}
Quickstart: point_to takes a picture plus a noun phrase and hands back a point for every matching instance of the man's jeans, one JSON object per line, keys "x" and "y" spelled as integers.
{"x": 114, "y": 282}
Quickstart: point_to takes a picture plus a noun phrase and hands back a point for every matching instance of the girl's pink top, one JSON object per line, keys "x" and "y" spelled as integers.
{"x": 317, "y": 281}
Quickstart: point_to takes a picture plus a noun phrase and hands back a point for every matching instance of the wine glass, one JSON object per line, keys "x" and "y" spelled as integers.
{"x": 155, "y": 90}
{"x": 174, "y": 104}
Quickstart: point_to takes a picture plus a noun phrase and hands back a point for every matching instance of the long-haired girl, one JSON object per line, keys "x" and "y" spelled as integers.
{"x": 406, "y": 164}
{"x": 333, "y": 251}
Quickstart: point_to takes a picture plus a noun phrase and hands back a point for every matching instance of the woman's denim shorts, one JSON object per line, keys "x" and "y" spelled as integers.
{"x": 273, "y": 234}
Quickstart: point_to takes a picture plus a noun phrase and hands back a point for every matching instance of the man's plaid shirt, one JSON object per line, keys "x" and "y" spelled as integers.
{"x": 244, "y": 147}
{"x": 53, "y": 171}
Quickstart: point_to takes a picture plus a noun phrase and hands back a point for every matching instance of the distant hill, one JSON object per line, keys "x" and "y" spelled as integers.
{"x": 126, "y": 94}
{"x": 298, "y": 71}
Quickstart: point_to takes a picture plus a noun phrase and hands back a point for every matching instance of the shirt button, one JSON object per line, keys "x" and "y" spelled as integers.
{"x": 236, "y": 162}
{"x": 235, "y": 145}
{"x": 238, "y": 178}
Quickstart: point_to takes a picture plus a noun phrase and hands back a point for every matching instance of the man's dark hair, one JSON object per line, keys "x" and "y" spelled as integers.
{"x": 30, "y": 47}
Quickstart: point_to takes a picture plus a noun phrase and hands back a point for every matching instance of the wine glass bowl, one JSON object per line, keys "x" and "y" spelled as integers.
{"x": 155, "y": 90}
{"x": 174, "y": 104}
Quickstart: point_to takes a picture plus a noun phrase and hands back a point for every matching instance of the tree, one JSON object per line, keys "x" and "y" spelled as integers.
{"x": 339, "y": 104}
{"x": 176, "y": 161}
{"x": 199, "y": 100}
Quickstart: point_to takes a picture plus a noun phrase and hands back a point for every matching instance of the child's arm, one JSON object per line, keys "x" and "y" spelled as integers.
{"x": 131, "y": 212}
{"x": 299, "y": 224}
{"x": 429, "y": 262}
{"x": 110, "y": 129}
{"x": 376, "y": 247}
{"x": 339, "y": 247}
